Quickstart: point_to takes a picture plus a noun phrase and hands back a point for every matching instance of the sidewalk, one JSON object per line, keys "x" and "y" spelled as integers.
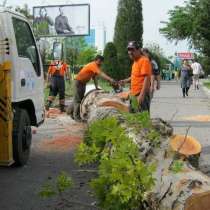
{"x": 192, "y": 111}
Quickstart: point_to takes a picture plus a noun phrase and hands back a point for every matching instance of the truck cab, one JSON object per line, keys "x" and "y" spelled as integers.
{"x": 18, "y": 47}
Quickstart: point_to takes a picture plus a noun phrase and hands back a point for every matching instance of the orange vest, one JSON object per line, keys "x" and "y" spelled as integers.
{"x": 57, "y": 67}
{"x": 88, "y": 72}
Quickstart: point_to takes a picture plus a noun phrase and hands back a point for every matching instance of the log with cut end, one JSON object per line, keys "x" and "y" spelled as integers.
{"x": 99, "y": 98}
{"x": 184, "y": 189}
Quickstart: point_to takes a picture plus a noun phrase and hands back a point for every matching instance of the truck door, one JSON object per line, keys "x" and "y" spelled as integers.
{"x": 27, "y": 67}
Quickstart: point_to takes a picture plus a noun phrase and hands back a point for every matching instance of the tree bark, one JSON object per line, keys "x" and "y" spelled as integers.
{"x": 188, "y": 189}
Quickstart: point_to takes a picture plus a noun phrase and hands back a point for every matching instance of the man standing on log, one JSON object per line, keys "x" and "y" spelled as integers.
{"x": 140, "y": 79}
{"x": 89, "y": 71}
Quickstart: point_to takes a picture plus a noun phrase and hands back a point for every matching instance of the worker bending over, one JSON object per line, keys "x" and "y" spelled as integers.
{"x": 89, "y": 71}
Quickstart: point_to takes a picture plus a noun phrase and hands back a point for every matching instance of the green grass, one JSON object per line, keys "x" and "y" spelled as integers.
{"x": 207, "y": 84}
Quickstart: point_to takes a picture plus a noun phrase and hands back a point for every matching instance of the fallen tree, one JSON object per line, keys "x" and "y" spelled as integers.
{"x": 178, "y": 185}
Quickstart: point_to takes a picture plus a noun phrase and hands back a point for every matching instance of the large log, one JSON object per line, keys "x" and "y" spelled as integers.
{"x": 188, "y": 189}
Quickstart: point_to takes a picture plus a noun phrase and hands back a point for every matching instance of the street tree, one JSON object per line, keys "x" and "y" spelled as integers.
{"x": 128, "y": 27}
{"x": 111, "y": 65}
{"x": 86, "y": 55}
{"x": 190, "y": 22}
{"x": 158, "y": 54}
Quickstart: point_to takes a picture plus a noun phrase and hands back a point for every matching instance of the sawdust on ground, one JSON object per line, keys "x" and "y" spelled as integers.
{"x": 62, "y": 143}
{"x": 71, "y": 136}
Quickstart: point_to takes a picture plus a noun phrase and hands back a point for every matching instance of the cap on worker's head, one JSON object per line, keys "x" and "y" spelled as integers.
{"x": 133, "y": 45}
{"x": 99, "y": 57}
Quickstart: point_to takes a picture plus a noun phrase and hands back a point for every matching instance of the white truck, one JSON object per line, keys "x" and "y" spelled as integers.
{"x": 21, "y": 87}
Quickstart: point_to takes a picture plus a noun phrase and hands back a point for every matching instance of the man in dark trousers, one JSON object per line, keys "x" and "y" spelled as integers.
{"x": 89, "y": 71}
{"x": 155, "y": 78}
{"x": 56, "y": 73}
{"x": 140, "y": 78}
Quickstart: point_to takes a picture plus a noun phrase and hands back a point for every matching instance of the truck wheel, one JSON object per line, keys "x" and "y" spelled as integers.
{"x": 21, "y": 136}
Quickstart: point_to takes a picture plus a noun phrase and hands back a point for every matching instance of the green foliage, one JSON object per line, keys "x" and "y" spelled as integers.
{"x": 191, "y": 22}
{"x": 87, "y": 55}
{"x": 122, "y": 184}
{"x": 154, "y": 137}
{"x": 158, "y": 55}
{"x": 141, "y": 121}
{"x": 128, "y": 27}
{"x": 138, "y": 120}
{"x": 47, "y": 191}
{"x": 177, "y": 166}
{"x": 111, "y": 65}
{"x": 63, "y": 182}
{"x": 103, "y": 131}
{"x": 73, "y": 47}
{"x": 134, "y": 104}
{"x": 207, "y": 84}
{"x": 179, "y": 26}
{"x": 86, "y": 154}
{"x": 123, "y": 178}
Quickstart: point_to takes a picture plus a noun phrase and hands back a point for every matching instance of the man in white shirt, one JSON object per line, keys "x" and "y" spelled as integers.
{"x": 197, "y": 68}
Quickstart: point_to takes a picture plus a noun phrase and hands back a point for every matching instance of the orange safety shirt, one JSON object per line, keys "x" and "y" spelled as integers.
{"x": 57, "y": 66}
{"x": 87, "y": 72}
{"x": 140, "y": 68}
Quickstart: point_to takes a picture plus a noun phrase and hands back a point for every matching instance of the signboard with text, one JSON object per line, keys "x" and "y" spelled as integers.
{"x": 185, "y": 55}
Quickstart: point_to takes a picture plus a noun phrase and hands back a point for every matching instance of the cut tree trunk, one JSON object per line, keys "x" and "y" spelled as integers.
{"x": 187, "y": 189}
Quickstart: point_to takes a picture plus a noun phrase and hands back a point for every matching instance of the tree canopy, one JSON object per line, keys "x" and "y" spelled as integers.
{"x": 191, "y": 22}
{"x": 111, "y": 65}
{"x": 128, "y": 27}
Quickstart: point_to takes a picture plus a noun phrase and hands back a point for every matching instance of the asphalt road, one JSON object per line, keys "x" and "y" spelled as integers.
{"x": 51, "y": 154}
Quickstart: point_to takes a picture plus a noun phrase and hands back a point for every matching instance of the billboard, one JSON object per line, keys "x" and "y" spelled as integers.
{"x": 61, "y": 20}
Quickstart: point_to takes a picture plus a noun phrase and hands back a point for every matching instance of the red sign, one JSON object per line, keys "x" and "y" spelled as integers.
{"x": 185, "y": 55}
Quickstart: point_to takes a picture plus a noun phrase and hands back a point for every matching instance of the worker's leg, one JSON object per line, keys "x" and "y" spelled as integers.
{"x": 197, "y": 81}
{"x": 78, "y": 96}
{"x": 52, "y": 93}
{"x": 61, "y": 89}
{"x": 145, "y": 105}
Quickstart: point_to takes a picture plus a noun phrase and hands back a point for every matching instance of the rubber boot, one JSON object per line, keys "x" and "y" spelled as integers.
{"x": 76, "y": 112}
{"x": 62, "y": 107}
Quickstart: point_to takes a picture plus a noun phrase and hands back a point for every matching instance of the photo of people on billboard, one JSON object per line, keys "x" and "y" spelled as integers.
{"x": 62, "y": 20}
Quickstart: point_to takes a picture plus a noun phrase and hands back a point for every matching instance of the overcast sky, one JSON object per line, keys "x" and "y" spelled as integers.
{"x": 105, "y": 11}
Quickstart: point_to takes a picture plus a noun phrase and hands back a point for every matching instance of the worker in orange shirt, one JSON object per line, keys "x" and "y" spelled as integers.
{"x": 140, "y": 78}
{"x": 56, "y": 73}
{"x": 89, "y": 71}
